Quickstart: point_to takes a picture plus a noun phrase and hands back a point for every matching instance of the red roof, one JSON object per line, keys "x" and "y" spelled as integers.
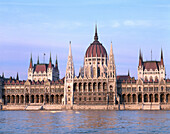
{"x": 151, "y": 65}
{"x": 123, "y": 77}
{"x": 50, "y": 65}
{"x": 22, "y": 82}
{"x": 41, "y": 68}
{"x": 168, "y": 80}
{"x": 96, "y": 49}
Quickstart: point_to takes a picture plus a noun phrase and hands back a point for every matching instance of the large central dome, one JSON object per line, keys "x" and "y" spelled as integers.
{"x": 96, "y": 49}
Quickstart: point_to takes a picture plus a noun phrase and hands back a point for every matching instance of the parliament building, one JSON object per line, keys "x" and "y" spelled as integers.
{"x": 97, "y": 83}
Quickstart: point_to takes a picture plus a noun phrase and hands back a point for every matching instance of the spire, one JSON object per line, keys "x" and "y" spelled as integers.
{"x": 70, "y": 66}
{"x": 50, "y": 62}
{"x": 140, "y": 58}
{"x": 31, "y": 61}
{"x": 70, "y": 53}
{"x": 111, "y": 49}
{"x": 128, "y": 73}
{"x": 56, "y": 63}
{"x": 3, "y": 75}
{"x": 111, "y": 64}
{"x": 162, "y": 60}
{"x": 17, "y": 78}
{"x": 50, "y": 57}
{"x": 140, "y": 54}
{"x": 96, "y": 36}
{"x": 111, "y": 56}
{"x": 38, "y": 62}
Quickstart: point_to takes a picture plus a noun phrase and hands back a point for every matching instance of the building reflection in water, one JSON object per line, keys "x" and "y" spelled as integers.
{"x": 84, "y": 121}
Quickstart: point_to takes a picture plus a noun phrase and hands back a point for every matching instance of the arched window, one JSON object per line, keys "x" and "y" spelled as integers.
{"x": 75, "y": 87}
{"x": 104, "y": 87}
{"x": 145, "y": 98}
{"x": 80, "y": 87}
{"x": 98, "y": 72}
{"x": 90, "y": 87}
{"x": 151, "y": 79}
{"x": 99, "y": 87}
{"x": 95, "y": 87}
{"x": 111, "y": 88}
{"x": 85, "y": 87}
{"x": 162, "y": 88}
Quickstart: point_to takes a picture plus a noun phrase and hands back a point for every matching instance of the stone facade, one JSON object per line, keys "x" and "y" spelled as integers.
{"x": 17, "y": 92}
{"x": 139, "y": 92}
{"x": 42, "y": 71}
{"x": 96, "y": 82}
{"x": 151, "y": 86}
{"x": 96, "y": 87}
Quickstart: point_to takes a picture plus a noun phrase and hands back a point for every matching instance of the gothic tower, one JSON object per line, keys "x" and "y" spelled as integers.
{"x": 162, "y": 67}
{"x": 30, "y": 69}
{"x": 151, "y": 70}
{"x": 50, "y": 69}
{"x": 68, "y": 85}
{"x": 56, "y": 69}
{"x": 112, "y": 74}
{"x": 140, "y": 66}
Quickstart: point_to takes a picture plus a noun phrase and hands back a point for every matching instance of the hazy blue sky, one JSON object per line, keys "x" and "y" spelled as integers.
{"x": 41, "y": 26}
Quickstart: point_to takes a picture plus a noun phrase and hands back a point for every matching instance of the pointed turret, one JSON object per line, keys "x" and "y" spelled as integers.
{"x": 17, "y": 78}
{"x": 162, "y": 60}
{"x": 3, "y": 75}
{"x": 140, "y": 58}
{"x": 128, "y": 73}
{"x": 70, "y": 53}
{"x": 111, "y": 49}
{"x": 38, "y": 62}
{"x": 31, "y": 62}
{"x": 56, "y": 63}
{"x": 50, "y": 62}
{"x": 56, "y": 68}
{"x": 70, "y": 66}
{"x": 111, "y": 74}
{"x": 30, "y": 70}
{"x": 111, "y": 64}
{"x": 111, "y": 56}
{"x": 96, "y": 36}
{"x": 69, "y": 76}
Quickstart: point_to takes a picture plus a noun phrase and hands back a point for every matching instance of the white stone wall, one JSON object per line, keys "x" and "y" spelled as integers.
{"x": 159, "y": 74}
{"x": 51, "y": 74}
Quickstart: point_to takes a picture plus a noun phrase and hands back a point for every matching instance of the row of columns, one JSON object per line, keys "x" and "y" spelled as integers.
{"x": 141, "y": 98}
{"x": 90, "y": 87}
{"x": 23, "y": 99}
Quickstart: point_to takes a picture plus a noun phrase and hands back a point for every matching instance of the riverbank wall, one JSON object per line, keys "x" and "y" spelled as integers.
{"x": 88, "y": 107}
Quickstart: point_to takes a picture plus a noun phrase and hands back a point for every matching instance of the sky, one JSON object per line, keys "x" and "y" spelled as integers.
{"x": 44, "y": 26}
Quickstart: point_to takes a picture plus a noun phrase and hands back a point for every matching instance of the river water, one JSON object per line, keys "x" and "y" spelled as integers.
{"x": 85, "y": 122}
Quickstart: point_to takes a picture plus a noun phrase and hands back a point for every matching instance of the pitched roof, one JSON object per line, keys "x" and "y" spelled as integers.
{"x": 123, "y": 77}
{"x": 151, "y": 65}
{"x": 41, "y": 67}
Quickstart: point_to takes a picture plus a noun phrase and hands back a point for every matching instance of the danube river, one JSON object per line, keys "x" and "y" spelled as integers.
{"x": 85, "y": 121}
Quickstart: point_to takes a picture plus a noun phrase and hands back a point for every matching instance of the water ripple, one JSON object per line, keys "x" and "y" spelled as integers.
{"x": 85, "y": 122}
